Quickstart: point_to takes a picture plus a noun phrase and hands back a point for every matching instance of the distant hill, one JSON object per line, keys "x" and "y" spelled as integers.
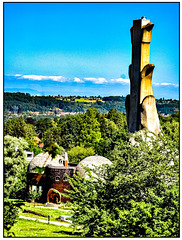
{"x": 19, "y": 103}
{"x": 23, "y": 90}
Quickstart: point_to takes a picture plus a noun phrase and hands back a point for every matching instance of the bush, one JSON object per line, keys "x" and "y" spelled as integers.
{"x": 11, "y": 208}
{"x": 76, "y": 154}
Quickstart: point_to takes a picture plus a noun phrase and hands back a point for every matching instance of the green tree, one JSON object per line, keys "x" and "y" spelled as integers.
{"x": 137, "y": 196}
{"x": 15, "y": 166}
{"x": 108, "y": 128}
{"x": 34, "y": 195}
{"x": 70, "y": 129}
{"x": 118, "y": 118}
{"x": 112, "y": 135}
{"x": 68, "y": 141}
{"x": 78, "y": 153}
{"x": 90, "y": 134}
{"x": 54, "y": 149}
{"x": 33, "y": 146}
{"x": 53, "y": 134}
{"x": 18, "y": 128}
{"x": 170, "y": 127}
{"x": 43, "y": 125}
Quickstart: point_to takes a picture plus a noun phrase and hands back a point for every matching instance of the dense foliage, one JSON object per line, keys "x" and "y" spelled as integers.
{"x": 137, "y": 196}
{"x": 15, "y": 165}
{"x": 78, "y": 153}
{"x": 11, "y": 208}
{"x": 92, "y": 129}
{"x": 18, "y": 128}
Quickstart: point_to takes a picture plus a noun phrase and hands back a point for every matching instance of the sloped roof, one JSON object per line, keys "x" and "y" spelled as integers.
{"x": 44, "y": 159}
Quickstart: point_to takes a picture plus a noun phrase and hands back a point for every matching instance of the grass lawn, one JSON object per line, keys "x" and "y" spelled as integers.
{"x": 29, "y": 228}
{"x": 55, "y": 213}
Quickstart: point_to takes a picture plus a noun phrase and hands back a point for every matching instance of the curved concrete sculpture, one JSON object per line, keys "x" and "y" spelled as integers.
{"x": 140, "y": 104}
{"x": 149, "y": 117}
{"x": 146, "y": 81}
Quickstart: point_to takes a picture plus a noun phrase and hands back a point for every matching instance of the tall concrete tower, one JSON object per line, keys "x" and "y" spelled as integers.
{"x": 140, "y": 104}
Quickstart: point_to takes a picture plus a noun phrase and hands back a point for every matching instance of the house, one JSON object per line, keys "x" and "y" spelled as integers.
{"x": 50, "y": 175}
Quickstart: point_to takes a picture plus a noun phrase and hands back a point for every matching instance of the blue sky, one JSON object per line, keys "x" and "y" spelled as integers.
{"x": 85, "y": 48}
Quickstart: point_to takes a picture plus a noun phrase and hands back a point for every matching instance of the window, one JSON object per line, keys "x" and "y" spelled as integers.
{"x": 34, "y": 187}
{"x": 57, "y": 178}
{"x": 65, "y": 178}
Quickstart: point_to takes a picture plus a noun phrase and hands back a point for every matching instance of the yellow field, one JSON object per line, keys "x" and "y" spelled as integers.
{"x": 81, "y": 100}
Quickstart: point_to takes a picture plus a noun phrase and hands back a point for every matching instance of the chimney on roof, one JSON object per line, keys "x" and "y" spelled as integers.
{"x": 65, "y": 159}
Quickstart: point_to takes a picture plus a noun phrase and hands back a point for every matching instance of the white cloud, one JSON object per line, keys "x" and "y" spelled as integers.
{"x": 169, "y": 84}
{"x": 41, "y": 77}
{"x": 96, "y": 80}
{"x": 166, "y": 84}
{"x": 120, "y": 80}
{"x": 78, "y": 80}
{"x": 156, "y": 84}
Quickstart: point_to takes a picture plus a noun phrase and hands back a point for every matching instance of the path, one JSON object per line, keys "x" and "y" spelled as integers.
{"x": 46, "y": 221}
{"x": 56, "y": 208}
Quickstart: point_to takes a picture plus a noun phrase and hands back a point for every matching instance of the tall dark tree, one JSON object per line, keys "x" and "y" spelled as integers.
{"x": 52, "y": 135}
{"x": 43, "y": 125}
{"x": 70, "y": 129}
{"x": 90, "y": 134}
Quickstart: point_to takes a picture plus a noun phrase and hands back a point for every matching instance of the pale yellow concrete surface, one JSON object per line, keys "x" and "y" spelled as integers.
{"x": 149, "y": 116}
{"x": 140, "y": 104}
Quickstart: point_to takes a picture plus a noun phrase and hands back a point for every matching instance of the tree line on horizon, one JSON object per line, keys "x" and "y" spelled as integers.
{"x": 25, "y": 104}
